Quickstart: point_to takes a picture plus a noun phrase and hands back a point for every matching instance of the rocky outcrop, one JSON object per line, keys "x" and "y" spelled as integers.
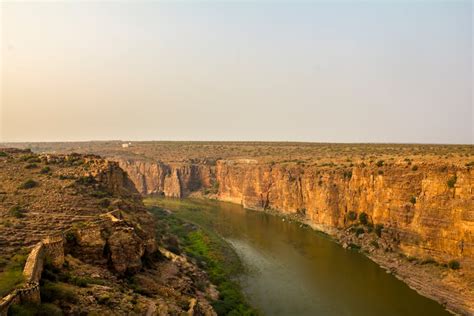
{"x": 172, "y": 180}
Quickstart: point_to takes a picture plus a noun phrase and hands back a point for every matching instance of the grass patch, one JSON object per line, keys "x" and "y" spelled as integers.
{"x": 12, "y": 273}
{"x": 46, "y": 309}
{"x": 210, "y": 252}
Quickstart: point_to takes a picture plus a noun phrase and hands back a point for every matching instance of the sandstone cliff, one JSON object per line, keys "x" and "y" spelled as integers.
{"x": 427, "y": 216}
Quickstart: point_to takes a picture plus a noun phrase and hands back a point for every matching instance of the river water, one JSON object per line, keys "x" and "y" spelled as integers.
{"x": 293, "y": 270}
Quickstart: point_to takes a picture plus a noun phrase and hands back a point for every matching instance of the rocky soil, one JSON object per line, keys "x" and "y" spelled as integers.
{"x": 114, "y": 263}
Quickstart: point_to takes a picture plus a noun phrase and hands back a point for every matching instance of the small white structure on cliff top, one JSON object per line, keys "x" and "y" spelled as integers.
{"x": 126, "y": 145}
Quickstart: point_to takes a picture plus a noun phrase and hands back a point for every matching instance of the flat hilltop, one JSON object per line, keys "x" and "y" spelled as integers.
{"x": 309, "y": 154}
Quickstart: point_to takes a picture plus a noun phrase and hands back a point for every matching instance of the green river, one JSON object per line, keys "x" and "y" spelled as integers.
{"x": 293, "y": 270}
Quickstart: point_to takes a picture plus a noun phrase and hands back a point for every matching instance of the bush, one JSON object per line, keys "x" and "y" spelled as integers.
{"x": 352, "y": 216}
{"x": 363, "y": 218}
{"x": 413, "y": 200}
{"x": 359, "y": 231}
{"x": 347, "y": 175}
{"x": 378, "y": 230}
{"x": 35, "y": 310}
{"x": 86, "y": 180}
{"x": 57, "y": 291}
{"x": 17, "y": 211}
{"x": 429, "y": 261}
{"x": 45, "y": 170}
{"x": 414, "y": 168}
{"x": 452, "y": 181}
{"x": 3, "y": 154}
{"x": 28, "y": 184}
{"x": 454, "y": 265}
{"x": 70, "y": 237}
{"x": 31, "y": 166}
{"x": 104, "y": 203}
{"x": 380, "y": 163}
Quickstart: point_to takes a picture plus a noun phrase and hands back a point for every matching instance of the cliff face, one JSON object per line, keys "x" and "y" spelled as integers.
{"x": 425, "y": 215}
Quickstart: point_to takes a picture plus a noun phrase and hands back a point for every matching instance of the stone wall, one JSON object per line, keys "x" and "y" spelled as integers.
{"x": 51, "y": 249}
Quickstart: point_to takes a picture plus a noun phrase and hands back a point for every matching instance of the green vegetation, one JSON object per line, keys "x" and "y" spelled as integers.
{"x": 378, "y": 230}
{"x": 363, "y": 218}
{"x": 454, "y": 264}
{"x": 17, "y": 211}
{"x": 413, "y": 200}
{"x": 359, "y": 231}
{"x": 352, "y": 216}
{"x": 51, "y": 291}
{"x": 452, "y": 181}
{"x": 414, "y": 168}
{"x": 210, "y": 252}
{"x": 28, "y": 184}
{"x": 347, "y": 175}
{"x": 380, "y": 163}
{"x": 213, "y": 189}
{"x": 12, "y": 272}
{"x": 86, "y": 180}
{"x": 45, "y": 170}
{"x": 45, "y": 309}
{"x": 429, "y": 261}
{"x": 3, "y": 154}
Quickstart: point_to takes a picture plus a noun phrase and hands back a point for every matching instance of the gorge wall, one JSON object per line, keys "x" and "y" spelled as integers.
{"x": 427, "y": 209}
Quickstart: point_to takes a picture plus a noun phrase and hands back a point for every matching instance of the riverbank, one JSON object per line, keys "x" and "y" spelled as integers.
{"x": 280, "y": 253}
{"x": 181, "y": 233}
{"x": 426, "y": 276}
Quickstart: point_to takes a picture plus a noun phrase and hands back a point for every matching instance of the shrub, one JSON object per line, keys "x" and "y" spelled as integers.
{"x": 28, "y": 184}
{"x": 35, "y": 309}
{"x": 70, "y": 237}
{"x": 353, "y": 246}
{"x": 57, "y": 291}
{"x": 359, "y": 231}
{"x": 3, "y": 154}
{"x": 352, "y": 216}
{"x": 380, "y": 163}
{"x": 104, "y": 202}
{"x": 31, "y": 166}
{"x": 414, "y": 168}
{"x": 347, "y": 174}
{"x": 86, "y": 180}
{"x": 413, "y": 200}
{"x": 378, "y": 230}
{"x": 45, "y": 170}
{"x": 363, "y": 218}
{"x": 17, "y": 211}
{"x": 452, "y": 181}
{"x": 429, "y": 261}
{"x": 454, "y": 264}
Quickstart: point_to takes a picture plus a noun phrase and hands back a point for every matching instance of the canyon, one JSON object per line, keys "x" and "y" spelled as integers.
{"x": 420, "y": 197}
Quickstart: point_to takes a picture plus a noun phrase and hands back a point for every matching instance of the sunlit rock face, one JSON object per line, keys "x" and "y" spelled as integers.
{"x": 428, "y": 210}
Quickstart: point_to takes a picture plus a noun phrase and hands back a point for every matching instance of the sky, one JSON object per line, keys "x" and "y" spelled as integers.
{"x": 320, "y": 71}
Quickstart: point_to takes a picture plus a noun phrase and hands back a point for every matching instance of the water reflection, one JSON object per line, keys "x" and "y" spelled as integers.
{"x": 297, "y": 271}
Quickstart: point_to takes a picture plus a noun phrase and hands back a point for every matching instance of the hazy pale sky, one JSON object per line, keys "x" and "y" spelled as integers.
{"x": 335, "y": 71}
